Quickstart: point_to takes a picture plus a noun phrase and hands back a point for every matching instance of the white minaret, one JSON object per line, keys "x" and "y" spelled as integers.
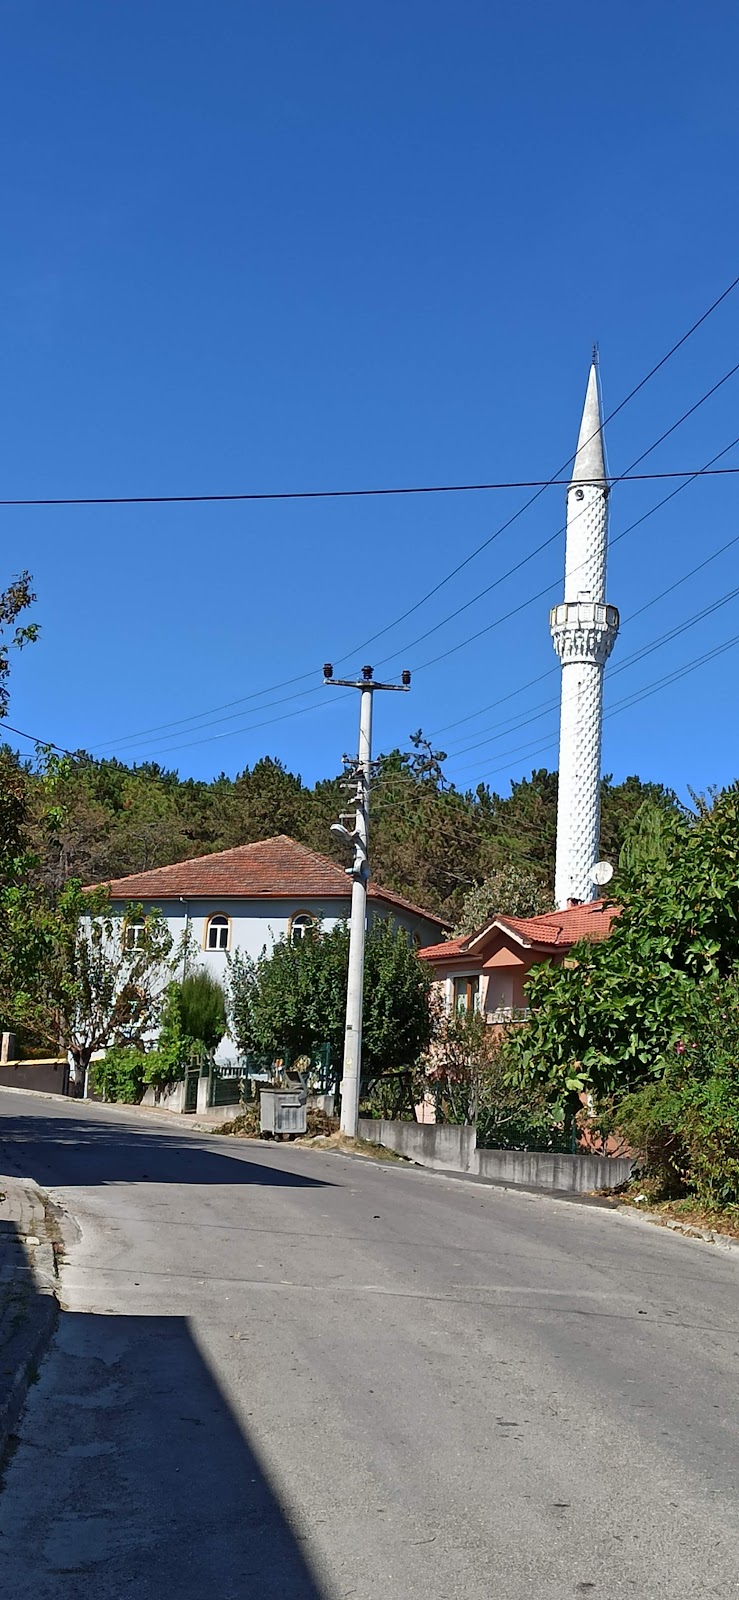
{"x": 584, "y": 632}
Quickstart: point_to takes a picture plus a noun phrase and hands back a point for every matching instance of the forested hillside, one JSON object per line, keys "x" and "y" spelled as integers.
{"x": 96, "y": 819}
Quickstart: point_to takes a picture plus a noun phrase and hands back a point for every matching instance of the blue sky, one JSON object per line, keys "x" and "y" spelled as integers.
{"x": 288, "y": 246}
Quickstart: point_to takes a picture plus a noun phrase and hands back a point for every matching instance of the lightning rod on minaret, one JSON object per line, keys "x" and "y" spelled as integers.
{"x": 583, "y": 630}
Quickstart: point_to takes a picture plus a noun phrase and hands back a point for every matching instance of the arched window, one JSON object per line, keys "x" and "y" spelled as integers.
{"x": 134, "y": 933}
{"x": 301, "y": 925}
{"x": 218, "y": 933}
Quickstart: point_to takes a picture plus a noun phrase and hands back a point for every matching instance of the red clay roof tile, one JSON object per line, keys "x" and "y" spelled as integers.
{"x": 591, "y": 921}
{"x": 442, "y": 952}
{"x": 560, "y": 929}
{"x": 272, "y": 869}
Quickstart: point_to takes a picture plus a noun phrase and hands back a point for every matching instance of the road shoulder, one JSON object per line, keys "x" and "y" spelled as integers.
{"x": 29, "y": 1238}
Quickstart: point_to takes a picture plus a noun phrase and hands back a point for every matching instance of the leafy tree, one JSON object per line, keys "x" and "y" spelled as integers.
{"x": 522, "y": 828}
{"x": 461, "y": 1057}
{"x": 467, "y": 1075}
{"x": 268, "y": 800}
{"x": 508, "y": 891}
{"x": 294, "y": 995}
{"x": 99, "y": 819}
{"x": 13, "y": 602}
{"x": 604, "y": 1021}
{"x": 242, "y": 974}
{"x": 16, "y": 864}
{"x": 70, "y": 976}
{"x": 14, "y": 818}
{"x": 295, "y": 999}
{"x": 167, "y": 1063}
{"x": 397, "y": 1022}
{"x": 426, "y": 838}
{"x": 620, "y": 804}
{"x": 645, "y": 840}
{"x": 193, "y": 1018}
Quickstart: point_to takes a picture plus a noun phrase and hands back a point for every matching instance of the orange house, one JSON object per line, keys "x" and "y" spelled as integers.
{"x": 487, "y": 970}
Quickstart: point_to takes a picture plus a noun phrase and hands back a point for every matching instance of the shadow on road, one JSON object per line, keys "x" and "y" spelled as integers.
{"x": 69, "y": 1152}
{"x": 133, "y": 1476}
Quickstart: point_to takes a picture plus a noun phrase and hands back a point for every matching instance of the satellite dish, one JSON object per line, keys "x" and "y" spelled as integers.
{"x": 602, "y": 873}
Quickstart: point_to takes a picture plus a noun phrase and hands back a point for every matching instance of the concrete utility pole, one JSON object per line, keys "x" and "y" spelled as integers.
{"x": 358, "y": 837}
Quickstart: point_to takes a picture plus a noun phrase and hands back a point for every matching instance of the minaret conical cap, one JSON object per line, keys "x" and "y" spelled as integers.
{"x": 590, "y": 466}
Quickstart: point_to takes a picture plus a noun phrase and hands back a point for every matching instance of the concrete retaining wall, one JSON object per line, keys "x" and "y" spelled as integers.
{"x": 452, "y": 1148}
{"x": 533, "y": 1169}
{"x": 171, "y": 1098}
{"x": 47, "y": 1076}
{"x": 444, "y": 1145}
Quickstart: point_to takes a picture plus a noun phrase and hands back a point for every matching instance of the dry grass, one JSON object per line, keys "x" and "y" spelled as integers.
{"x": 323, "y": 1134}
{"x": 354, "y": 1147}
{"x": 687, "y": 1213}
{"x": 247, "y": 1124}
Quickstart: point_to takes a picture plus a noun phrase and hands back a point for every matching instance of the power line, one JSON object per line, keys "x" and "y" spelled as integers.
{"x": 480, "y": 633}
{"x": 132, "y": 739}
{"x": 340, "y": 494}
{"x": 286, "y": 683}
{"x": 550, "y": 671}
{"x": 546, "y": 707}
{"x": 35, "y": 739}
{"x": 546, "y": 542}
{"x": 629, "y": 700}
{"x": 511, "y": 695}
{"x": 302, "y": 677}
{"x": 493, "y": 704}
{"x": 195, "y": 717}
{"x": 347, "y": 494}
{"x": 623, "y": 705}
{"x": 672, "y": 677}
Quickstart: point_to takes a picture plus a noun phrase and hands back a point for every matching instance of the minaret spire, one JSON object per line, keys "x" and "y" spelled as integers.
{"x": 583, "y": 631}
{"x": 590, "y": 463}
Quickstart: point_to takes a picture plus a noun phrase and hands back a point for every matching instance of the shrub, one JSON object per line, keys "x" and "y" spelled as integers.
{"x": 509, "y": 1127}
{"x": 650, "y": 1122}
{"x": 202, "y": 1008}
{"x": 395, "y": 1096}
{"x": 710, "y": 1130}
{"x": 193, "y": 1019}
{"x": 120, "y": 1075}
{"x": 685, "y": 1128}
{"x": 687, "y": 1138}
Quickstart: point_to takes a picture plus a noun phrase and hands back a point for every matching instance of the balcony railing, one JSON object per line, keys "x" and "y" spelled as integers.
{"x": 508, "y": 1014}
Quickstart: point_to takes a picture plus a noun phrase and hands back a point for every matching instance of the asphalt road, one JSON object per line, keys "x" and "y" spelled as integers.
{"x": 285, "y": 1372}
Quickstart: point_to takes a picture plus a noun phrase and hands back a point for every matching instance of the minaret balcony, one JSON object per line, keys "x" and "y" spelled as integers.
{"x": 583, "y": 630}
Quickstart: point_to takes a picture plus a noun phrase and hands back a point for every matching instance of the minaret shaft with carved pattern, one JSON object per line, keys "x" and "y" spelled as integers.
{"x": 584, "y": 632}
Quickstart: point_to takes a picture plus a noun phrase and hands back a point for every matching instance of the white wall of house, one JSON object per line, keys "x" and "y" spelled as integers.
{"x": 255, "y": 925}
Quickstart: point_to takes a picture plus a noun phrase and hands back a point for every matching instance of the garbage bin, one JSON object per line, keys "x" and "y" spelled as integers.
{"x": 284, "y": 1110}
